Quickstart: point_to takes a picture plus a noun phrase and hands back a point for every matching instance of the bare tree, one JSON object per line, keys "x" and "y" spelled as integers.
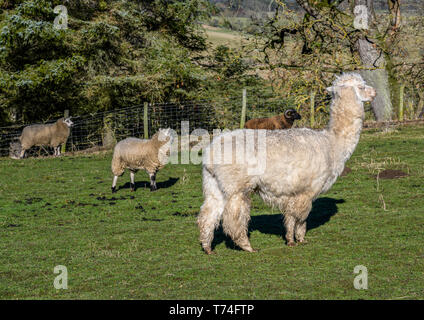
{"x": 328, "y": 27}
{"x": 373, "y": 61}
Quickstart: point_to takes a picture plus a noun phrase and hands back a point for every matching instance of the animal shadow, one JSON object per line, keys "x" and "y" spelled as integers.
{"x": 146, "y": 184}
{"x": 322, "y": 211}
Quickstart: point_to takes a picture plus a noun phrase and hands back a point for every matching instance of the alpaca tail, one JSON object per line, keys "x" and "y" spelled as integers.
{"x": 211, "y": 210}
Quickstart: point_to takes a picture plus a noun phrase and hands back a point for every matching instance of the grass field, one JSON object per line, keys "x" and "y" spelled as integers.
{"x": 144, "y": 245}
{"x": 221, "y": 36}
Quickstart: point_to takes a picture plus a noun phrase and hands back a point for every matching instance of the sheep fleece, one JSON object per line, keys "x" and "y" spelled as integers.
{"x": 51, "y": 135}
{"x": 135, "y": 154}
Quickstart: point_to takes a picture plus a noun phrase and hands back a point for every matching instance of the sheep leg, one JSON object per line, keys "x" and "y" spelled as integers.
{"x": 289, "y": 224}
{"x": 115, "y": 180}
{"x": 235, "y": 220}
{"x": 132, "y": 184}
{"x": 59, "y": 149}
{"x": 210, "y": 212}
{"x": 22, "y": 154}
{"x": 153, "y": 186}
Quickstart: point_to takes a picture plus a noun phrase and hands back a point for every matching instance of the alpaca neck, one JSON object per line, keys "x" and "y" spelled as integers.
{"x": 345, "y": 128}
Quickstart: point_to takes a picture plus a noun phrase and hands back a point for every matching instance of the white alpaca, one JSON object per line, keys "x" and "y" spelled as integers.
{"x": 300, "y": 165}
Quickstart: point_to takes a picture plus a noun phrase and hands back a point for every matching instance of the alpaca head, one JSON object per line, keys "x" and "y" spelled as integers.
{"x": 352, "y": 85}
{"x": 291, "y": 115}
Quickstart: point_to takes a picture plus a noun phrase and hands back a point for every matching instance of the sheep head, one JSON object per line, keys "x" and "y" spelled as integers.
{"x": 68, "y": 122}
{"x": 291, "y": 114}
{"x": 165, "y": 135}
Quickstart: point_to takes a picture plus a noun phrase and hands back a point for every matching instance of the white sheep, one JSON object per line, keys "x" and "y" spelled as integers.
{"x": 135, "y": 154}
{"x": 300, "y": 165}
{"x": 51, "y": 135}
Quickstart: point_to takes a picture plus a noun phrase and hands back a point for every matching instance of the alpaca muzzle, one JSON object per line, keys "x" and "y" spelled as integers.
{"x": 371, "y": 93}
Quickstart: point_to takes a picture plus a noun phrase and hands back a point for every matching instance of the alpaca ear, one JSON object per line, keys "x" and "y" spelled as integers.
{"x": 335, "y": 89}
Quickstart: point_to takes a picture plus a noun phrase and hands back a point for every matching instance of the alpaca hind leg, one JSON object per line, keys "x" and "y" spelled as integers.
{"x": 210, "y": 212}
{"x": 235, "y": 220}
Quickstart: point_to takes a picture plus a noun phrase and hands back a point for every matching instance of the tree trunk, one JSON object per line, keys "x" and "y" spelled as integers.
{"x": 375, "y": 73}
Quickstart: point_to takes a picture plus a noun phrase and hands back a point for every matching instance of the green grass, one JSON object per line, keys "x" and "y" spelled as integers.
{"x": 53, "y": 212}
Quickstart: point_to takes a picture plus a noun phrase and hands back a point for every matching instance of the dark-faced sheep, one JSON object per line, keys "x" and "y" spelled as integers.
{"x": 50, "y": 135}
{"x": 135, "y": 154}
{"x": 299, "y": 164}
{"x": 283, "y": 121}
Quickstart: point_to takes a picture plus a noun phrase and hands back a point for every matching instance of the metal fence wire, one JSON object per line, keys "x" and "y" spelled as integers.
{"x": 104, "y": 129}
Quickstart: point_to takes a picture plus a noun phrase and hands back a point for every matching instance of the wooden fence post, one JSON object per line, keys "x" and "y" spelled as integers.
{"x": 145, "y": 121}
{"x": 411, "y": 109}
{"x": 312, "y": 109}
{"x": 243, "y": 110}
{"x": 401, "y": 95}
{"x": 420, "y": 109}
{"x": 65, "y": 115}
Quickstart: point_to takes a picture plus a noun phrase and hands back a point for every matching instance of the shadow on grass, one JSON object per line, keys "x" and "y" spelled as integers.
{"x": 146, "y": 184}
{"x": 322, "y": 211}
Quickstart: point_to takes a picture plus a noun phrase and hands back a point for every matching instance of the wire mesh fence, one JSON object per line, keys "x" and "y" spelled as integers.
{"x": 104, "y": 129}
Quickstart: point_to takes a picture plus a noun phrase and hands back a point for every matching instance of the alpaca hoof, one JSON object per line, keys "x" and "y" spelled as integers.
{"x": 302, "y": 241}
{"x": 291, "y": 244}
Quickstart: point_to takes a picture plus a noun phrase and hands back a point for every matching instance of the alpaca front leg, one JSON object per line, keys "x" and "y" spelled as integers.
{"x": 297, "y": 211}
{"x": 153, "y": 186}
{"x": 289, "y": 224}
{"x": 115, "y": 180}
{"x": 132, "y": 183}
{"x": 300, "y": 231}
{"x": 235, "y": 220}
